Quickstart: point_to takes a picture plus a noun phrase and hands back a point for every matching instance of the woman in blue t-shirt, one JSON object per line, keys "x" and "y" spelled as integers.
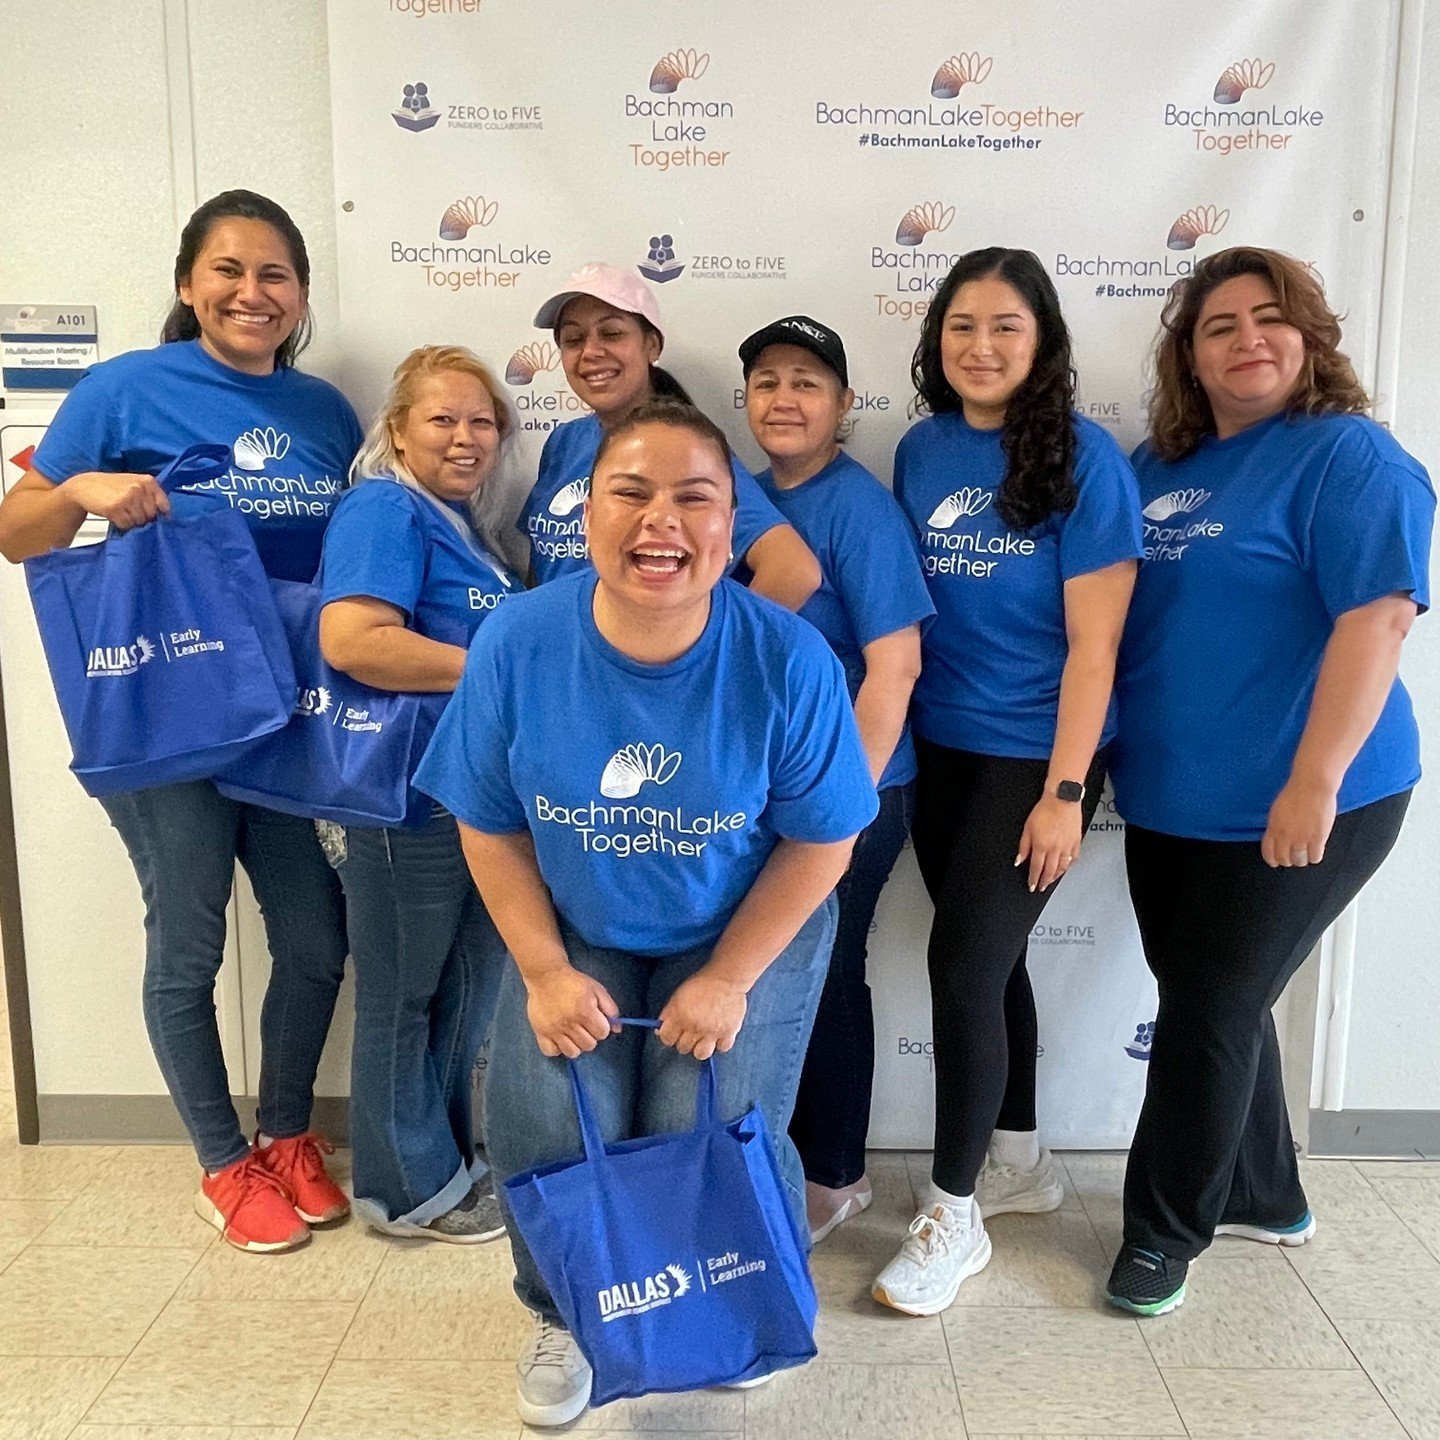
{"x": 224, "y": 372}
{"x": 658, "y": 779}
{"x": 1029, "y": 528}
{"x": 870, "y": 605}
{"x": 1267, "y": 749}
{"x": 407, "y": 580}
{"x": 607, "y": 327}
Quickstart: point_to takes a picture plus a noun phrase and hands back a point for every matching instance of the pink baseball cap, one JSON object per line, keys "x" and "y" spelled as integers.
{"x": 613, "y": 284}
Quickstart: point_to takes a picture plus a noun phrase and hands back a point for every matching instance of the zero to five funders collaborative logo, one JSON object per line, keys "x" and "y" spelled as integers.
{"x": 968, "y": 119}
{"x": 418, "y": 111}
{"x": 661, "y": 265}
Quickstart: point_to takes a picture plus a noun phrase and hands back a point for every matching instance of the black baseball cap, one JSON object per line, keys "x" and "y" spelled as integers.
{"x": 820, "y": 340}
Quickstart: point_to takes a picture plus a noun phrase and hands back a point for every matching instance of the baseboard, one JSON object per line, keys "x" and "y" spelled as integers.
{"x": 153, "y": 1120}
{"x": 1374, "y": 1135}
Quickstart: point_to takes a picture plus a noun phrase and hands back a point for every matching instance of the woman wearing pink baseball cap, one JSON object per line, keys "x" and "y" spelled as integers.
{"x": 606, "y": 324}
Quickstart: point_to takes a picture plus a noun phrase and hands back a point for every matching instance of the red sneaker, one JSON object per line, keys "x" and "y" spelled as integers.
{"x": 296, "y": 1163}
{"x": 250, "y": 1208}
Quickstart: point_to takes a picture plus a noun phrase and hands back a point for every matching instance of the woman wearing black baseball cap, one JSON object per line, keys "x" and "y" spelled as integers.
{"x": 870, "y": 605}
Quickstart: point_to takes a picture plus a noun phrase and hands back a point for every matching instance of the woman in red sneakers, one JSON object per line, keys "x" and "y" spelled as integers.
{"x": 224, "y": 372}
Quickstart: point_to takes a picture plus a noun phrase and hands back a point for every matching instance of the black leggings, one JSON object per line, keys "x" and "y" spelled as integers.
{"x": 969, "y": 812}
{"x": 1223, "y": 933}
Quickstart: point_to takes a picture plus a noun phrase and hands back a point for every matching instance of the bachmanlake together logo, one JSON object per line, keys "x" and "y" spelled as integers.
{"x": 971, "y": 124}
{"x": 680, "y": 132}
{"x": 635, "y": 766}
{"x": 1184, "y": 234}
{"x": 1236, "y": 128}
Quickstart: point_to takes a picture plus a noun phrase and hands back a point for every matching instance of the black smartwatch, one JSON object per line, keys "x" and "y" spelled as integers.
{"x": 1071, "y": 790}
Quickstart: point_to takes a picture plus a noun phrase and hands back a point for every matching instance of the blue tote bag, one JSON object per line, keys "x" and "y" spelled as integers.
{"x": 674, "y": 1260}
{"x": 163, "y": 642}
{"x": 349, "y": 751}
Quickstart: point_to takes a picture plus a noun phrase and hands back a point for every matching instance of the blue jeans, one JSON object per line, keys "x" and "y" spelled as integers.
{"x": 832, "y": 1108}
{"x": 427, "y": 965}
{"x": 639, "y": 1086}
{"x": 184, "y": 841}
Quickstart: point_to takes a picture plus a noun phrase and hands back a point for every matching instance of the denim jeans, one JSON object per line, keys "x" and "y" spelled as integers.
{"x": 184, "y": 841}
{"x": 427, "y": 965}
{"x": 639, "y": 1086}
{"x": 832, "y": 1109}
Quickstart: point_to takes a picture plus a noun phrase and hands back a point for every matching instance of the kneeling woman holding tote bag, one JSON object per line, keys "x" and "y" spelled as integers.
{"x": 406, "y": 581}
{"x": 658, "y": 779}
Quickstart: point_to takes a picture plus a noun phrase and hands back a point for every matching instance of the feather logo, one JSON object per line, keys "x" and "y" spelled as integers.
{"x": 1243, "y": 75}
{"x": 971, "y": 500}
{"x": 144, "y": 650}
{"x": 1177, "y": 502}
{"x": 317, "y": 701}
{"x": 633, "y": 766}
{"x": 957, "y": 72}
{"x": 681, "y": 1277}
{"x": 257, "y": 446}
{"x": 571, "y": 497}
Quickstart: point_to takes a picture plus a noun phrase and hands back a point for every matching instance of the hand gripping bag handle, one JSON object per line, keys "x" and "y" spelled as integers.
{"x": 193, "y": 466}
{"x": 706, "y": 1098}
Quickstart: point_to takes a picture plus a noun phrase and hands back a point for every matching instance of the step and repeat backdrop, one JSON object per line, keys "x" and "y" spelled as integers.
{"x": 834, "y": 157}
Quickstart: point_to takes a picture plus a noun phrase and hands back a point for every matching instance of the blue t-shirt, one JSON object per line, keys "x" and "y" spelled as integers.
{"x": 552, "y": 521}
{"x": 994, "y": 654}
{"x": 1254, "y": 546}
{"x": 292, "y": 439}
{"x": 871, "y": 585}
{"x": 388, "y": 542}
{"x": 654, "y": 793}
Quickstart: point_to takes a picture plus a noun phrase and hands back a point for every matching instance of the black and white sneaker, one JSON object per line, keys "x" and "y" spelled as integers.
{"x": 1146, "y": 1282}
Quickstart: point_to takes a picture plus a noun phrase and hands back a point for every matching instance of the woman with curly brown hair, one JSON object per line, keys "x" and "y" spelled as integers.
{"x": 1029, "y": 528}
{"x": 1266, "y": 749}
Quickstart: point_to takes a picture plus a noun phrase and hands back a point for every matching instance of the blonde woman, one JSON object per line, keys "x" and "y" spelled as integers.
{"x": 407, "y": 579}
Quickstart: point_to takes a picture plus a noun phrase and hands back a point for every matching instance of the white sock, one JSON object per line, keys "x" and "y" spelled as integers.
{"x": 264, "y": 1141}
{"x": 1020, "y": 1148}
{"x": 958, "y": 1204}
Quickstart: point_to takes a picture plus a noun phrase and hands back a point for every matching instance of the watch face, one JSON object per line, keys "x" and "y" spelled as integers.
{"x": 1070, "y": 790}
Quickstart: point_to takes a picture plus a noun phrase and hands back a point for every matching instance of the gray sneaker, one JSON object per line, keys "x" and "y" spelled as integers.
{"x": 552, "y": 1377}
{"x": 474, "y": 1220}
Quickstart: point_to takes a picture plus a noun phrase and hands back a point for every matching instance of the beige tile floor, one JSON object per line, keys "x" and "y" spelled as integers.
{"x": 123, "y": 1317}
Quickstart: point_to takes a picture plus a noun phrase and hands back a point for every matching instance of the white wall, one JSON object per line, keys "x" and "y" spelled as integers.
{"x": 1393, "y": 1052}
{"x": 98, "y": 177}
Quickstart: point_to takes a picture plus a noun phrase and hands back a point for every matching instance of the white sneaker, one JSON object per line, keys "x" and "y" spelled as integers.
{"x": 1005, "y": 1189}
{"x": 552, "y": 1377}
{"x": 943, "y": 1249}
{"x": 1288, "y": 1235}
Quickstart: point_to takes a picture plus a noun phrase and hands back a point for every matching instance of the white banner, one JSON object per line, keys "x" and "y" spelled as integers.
{"x": 759, "y": 159}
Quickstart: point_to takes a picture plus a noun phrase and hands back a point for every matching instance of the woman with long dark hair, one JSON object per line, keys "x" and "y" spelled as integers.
{"x": 224, "y": 372}
{"x": 1029, "y": 528}
{"x": 1267, "y": 749}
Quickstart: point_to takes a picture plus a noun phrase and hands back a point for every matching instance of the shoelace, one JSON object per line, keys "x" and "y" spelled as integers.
{"x": 253, "y": 1173}
{"x": 307, "y": 1154}
{"x": 550, "y": 1345}
{"x": 928, "y": 1240}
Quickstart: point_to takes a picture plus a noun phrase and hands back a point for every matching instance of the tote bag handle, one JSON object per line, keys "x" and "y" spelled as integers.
{"x": 193, "y": 466}
{"x": 706, "y": 1097}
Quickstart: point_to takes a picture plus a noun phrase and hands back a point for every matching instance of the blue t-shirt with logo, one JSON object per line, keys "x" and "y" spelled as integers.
{"x": 1254, "y": 546}
{"x": 994, "y": 654}
{"x": 871, "y": 585}
{"x": 291, "y": 436}
{"x": 654, "y": 793}
{"x": 387, "y": 541}
{"x": 552, "y": 519}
